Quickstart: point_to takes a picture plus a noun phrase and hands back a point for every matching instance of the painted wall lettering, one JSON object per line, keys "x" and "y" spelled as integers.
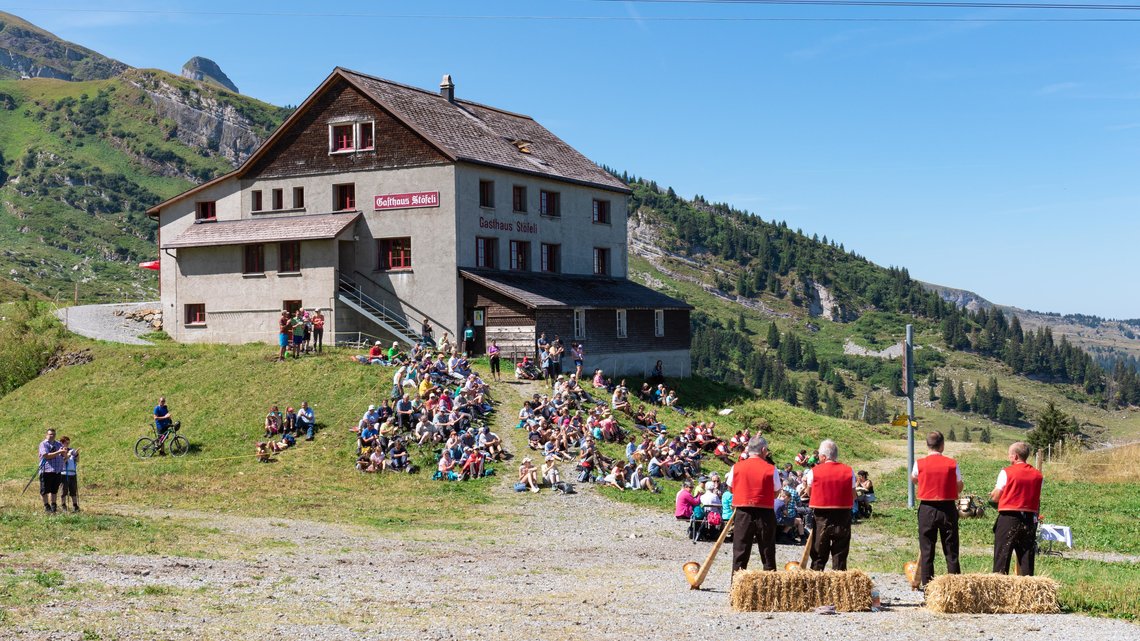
{"x": 498, "y": 225}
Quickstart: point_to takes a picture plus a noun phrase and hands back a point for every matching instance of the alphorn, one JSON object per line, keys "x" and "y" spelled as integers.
{"x": 792, "y": 565}
{"x": 696, "y": 572}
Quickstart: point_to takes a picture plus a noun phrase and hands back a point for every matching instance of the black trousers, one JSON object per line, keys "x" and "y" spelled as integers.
{"x": 937, "y": 520}
{"x": 69, "y": 486}
{"x": 1015, "y": 533}
{"x": 753, "y": 524}
{"x": 832, "y": 538}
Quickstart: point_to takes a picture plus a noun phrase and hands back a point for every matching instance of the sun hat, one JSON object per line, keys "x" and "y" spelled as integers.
{"x": 371, "y": 408}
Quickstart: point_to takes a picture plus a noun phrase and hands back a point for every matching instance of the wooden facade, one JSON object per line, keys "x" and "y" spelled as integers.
{"x": 304, "y": 147}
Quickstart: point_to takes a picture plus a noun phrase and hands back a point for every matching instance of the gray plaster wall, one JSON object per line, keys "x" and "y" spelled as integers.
{"x": 574, "y": 230}
{"x": 245, "y": 308}
{"x": 675, "y": 363}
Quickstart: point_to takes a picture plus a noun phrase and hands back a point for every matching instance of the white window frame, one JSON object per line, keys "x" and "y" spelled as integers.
{"x": 659, "y": 322}
{"x": 580, "y": 323}
{"x": 357, "y": 127}
{"x": 622, "y": 323}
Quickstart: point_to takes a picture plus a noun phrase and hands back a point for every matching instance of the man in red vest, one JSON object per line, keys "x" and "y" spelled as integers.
{"x": 831, "y": 494}
{"x": 754, "y": 484}
{"x": 939, "y": 483}
{"x": 1018, "y": 495}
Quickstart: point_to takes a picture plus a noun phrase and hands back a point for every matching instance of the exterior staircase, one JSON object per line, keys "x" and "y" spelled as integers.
{"x": 392, "y": 321}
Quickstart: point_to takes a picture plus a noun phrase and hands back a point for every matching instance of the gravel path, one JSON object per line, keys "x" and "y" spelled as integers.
{"x": 538, "y": 566}
{"x": 101, "y": 323}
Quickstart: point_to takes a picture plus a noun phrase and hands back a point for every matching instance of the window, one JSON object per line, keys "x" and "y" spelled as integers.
{"x": 367, "y": 136}
{"x": 291, "y": 306}
{"x": 579, "y": 323}
{"x": 395, "y": 254}
{"x": 518, "y": 199}
{"x": 344, "y": 197}
{"x": 290, "y": 256}
{"x": 551, "y": 260}
{"x": 206, "y": 210}
{"x": 520, "y": 255}
{"x": 658, "y": 322}
{"x": 278, "y": 199}
{"x": 298, "y": 197}
{"x": 254, "y": 262}
{"x": 486, "y": 193}
{"x": 602, "y": 212}
{"x": 601, "y": 261}
{"x": 485, "y": 252}
{"x": 548, "y": 203}
{"x": 196, "y": 314}
{"x": 255, "y": 200}
{"x": 621, "y": 325}
{"x": 342, "y": 139}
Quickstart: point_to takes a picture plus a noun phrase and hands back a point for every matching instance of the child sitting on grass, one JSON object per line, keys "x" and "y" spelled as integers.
{"x": 263, "y": 452}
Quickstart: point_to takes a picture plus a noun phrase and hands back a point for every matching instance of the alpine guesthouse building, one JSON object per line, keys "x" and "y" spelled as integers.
{"x": 383, "y": 205}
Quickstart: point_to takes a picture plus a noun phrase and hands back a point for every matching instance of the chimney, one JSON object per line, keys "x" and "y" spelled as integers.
{"x": 447, "y": 88}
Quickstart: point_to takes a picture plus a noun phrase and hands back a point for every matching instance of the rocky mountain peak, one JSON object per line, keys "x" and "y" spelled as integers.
{"x": 26, "y": 51}
{"x": 206, "y": 70}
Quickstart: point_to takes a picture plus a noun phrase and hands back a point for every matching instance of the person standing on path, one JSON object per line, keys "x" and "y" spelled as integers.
{"x": 283, "y": 334}
{"x": 318, "y": 330}
{"x": 51, "y": 469}
{"x": 754, "y": 484}
{"x": 1018, "y": 495}
{"x": 831, "y": 492}
{"x": 69, "y": 481}
{"x": 493, "y": 354}
{"x": 939, "y": 484}
{"x": 297, "y": 326}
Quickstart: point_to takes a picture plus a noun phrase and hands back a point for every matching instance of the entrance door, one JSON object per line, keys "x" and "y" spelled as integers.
{"x": 478, "y": 318}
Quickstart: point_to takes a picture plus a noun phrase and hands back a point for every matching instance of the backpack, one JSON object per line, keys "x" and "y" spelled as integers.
{"x": 714, "y": 518}
{"x": 698, "y": 512}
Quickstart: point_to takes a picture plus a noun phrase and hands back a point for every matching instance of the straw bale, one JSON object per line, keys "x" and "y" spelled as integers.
{"x": 802, "y": 591}
{"x": 992, "y": 594}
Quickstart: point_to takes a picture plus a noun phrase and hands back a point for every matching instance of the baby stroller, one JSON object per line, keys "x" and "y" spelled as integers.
{"x": 527, "y": 370}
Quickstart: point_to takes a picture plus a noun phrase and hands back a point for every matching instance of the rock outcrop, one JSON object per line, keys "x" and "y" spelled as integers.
{"x": 206, "y": 70}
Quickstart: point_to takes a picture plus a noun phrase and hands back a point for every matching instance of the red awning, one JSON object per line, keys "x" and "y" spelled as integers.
{"x": 150, "y": 264}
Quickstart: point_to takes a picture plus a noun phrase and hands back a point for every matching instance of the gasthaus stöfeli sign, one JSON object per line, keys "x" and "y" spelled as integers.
{"x": 406, "y": 201}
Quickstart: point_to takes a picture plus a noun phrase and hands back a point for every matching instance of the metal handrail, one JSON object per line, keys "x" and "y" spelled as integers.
{"x": 397, "y": 297}
{"x": 398, "y": 318}
{"x": 360, "y": 339}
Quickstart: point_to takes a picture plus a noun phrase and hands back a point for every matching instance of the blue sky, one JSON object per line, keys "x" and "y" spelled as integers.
{"x": 999, "y": 157}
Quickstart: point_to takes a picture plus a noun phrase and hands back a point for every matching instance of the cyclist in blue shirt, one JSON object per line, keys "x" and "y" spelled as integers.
{"x": 162, "y": 420}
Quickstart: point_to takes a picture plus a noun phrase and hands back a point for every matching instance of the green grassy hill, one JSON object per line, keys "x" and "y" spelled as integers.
{"x": 80, "y": 162}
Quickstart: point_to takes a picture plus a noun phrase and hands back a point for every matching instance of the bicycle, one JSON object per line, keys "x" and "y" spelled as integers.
{"x": 146, "y": 447}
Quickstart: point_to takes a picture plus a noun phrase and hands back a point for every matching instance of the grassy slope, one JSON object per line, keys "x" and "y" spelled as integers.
{"x": 221, "y": 395}
{"x": 44, "y": 226}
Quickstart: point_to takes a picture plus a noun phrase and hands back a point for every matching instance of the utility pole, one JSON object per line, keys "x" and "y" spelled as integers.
{"x": 908, "y": 386}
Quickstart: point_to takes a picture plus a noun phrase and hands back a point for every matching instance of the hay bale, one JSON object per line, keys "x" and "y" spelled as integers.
{"x": 992, "y": 594}
{"x": 803, "y": 591}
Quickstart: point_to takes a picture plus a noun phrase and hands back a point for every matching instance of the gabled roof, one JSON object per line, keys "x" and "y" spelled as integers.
{"x": 552, "y": 291}
{"x": 263, "y": 230}
{"x": 463, "y": 131}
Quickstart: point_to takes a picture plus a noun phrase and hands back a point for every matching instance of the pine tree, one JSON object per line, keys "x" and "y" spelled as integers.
{"x": 932, "y": 382}
{"x": 773, "y": 336}
{"x": 986, "y": 436}
{"x": 1053, "y": 426}
{"x": 740, "y": 322}
{"x": 1008, "y": 412}
{"x": 963, "y": 402}
{"x": 811, "y": 395}
{"x": 951, "y": 436}
{"x": 949, "y": 401}
{"x": 832, "y": 406}
{"x": 966, "y": 434}
{"x": 791, "y": 395}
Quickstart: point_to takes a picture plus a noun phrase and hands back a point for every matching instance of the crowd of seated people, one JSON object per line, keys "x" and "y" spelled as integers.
{"x": 283, "y": 428}
{"x": 445, "y": 407}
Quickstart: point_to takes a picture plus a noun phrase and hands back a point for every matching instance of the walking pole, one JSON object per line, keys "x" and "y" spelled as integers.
{"x": 34, "y": 475}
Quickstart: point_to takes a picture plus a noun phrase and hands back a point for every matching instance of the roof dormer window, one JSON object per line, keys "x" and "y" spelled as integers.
{"x": 347, "y": 137}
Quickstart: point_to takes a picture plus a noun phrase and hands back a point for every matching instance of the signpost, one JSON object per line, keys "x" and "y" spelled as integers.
{"x": 908, "y": 387}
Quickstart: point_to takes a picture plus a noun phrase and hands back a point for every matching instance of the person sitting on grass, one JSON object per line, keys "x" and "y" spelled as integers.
{"x": 599, "y": 381}
{"x": 446, "y": 466}
{"x": 306, "y": 420}
{"x": 472, "y": 465}
{"x": 287, "y": 441}
{"x": 550, "y": 471}
{"x": 289, "y": 421}
{"x": 490, "y": 443}
{"x": 263, "y": 452}
{"x": 671, "y": 401}
{"x": 369, "y": 438}
{"x": 528, "y": 475}
{"x": 787, "y": 518}
{"x": 398, "y": 456}
{"x": 273, "y": 421}
{"x": 616, "y": 477}
{"x": 639, "y": 480}
{"x": 620, "y": 400}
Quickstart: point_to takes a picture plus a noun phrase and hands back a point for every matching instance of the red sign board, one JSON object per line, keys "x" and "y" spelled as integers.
{"x": 406, "y": 201}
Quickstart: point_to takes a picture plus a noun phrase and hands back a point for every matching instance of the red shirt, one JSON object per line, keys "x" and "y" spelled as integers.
{"x": 753, "y": 483}
{"x": 832, "y": 486}
{"x": 1022, "y": 491}
{"x": 937, "y": 478}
